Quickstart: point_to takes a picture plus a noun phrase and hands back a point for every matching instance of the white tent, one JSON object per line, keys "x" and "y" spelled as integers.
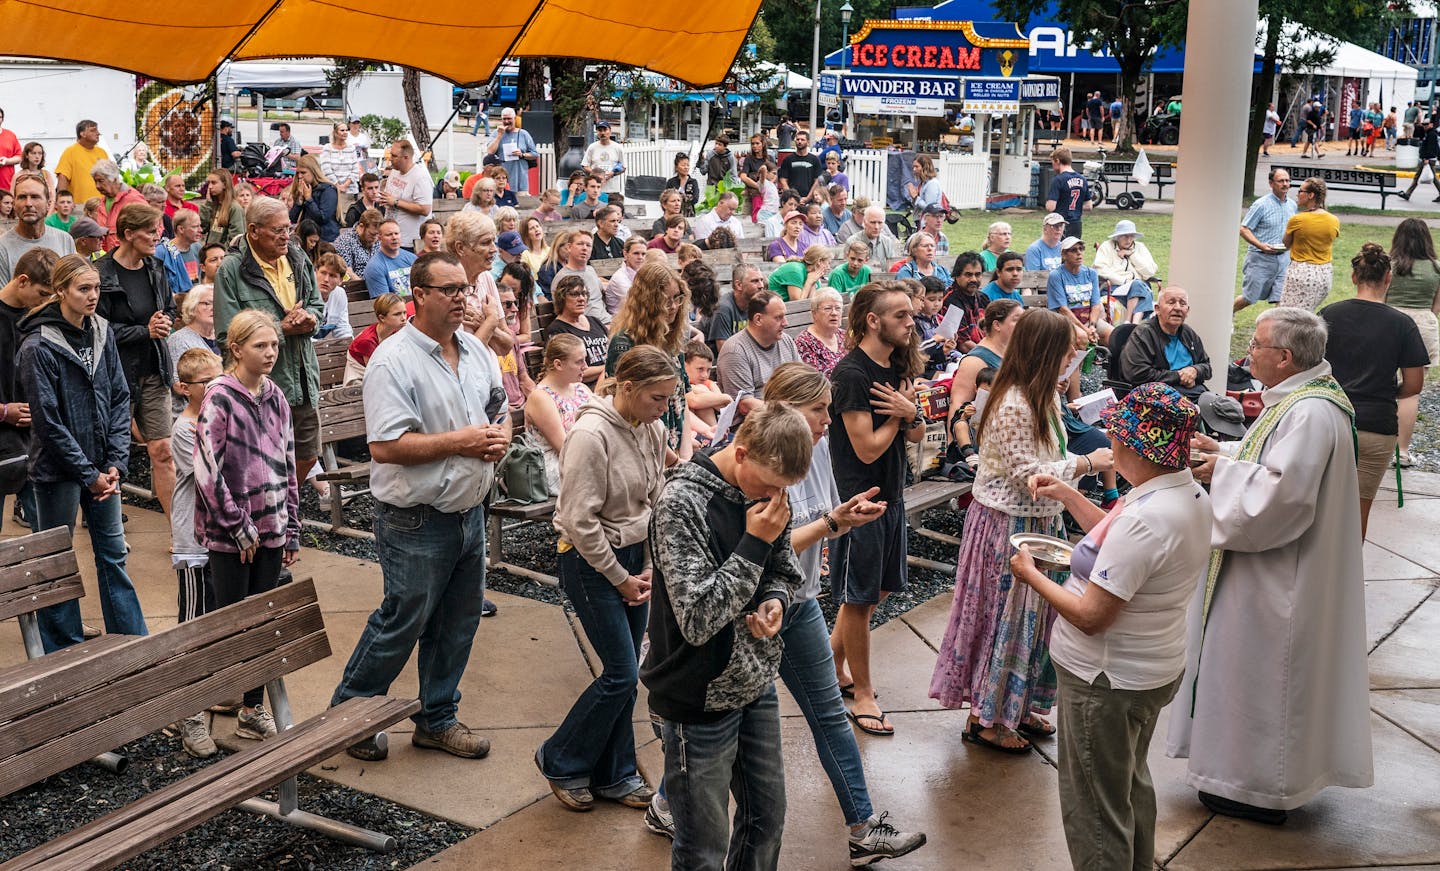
{"x": 1389, "y": 82}
{"x": 292, "y": 75}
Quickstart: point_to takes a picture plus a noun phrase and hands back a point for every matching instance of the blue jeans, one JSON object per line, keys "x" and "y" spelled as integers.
{"x": 704, "y": 764}
{"x": 808, "y": 669}
{"x": 433, "y": 565}
{"x": 595, "y": 745}
{"x": 1138, "y": 292}
{"x": 55, "y": 505}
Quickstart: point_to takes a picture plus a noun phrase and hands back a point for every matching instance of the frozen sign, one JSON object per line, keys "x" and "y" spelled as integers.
{"x": 897, "y": 86}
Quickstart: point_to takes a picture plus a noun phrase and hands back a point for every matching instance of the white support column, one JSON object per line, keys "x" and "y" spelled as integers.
{"x": 1219, "y": 60}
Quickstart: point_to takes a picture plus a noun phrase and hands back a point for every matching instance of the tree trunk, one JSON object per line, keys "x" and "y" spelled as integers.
{"x": 1130, "y": 72}
{"x": 415, "y": 108}
{"x": 1260, "y": 99}
{"x": 532, "y": 81}
{"x": 568, "y": 93}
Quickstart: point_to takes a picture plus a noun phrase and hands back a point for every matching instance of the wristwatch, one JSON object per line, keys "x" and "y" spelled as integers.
{"x": 917, "y": 420}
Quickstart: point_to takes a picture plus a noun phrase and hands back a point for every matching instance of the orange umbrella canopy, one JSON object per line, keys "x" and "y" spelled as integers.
{"x": 460, "y": 41}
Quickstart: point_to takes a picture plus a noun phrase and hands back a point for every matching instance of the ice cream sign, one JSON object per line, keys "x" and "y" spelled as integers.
{"x": 915, "y": 46}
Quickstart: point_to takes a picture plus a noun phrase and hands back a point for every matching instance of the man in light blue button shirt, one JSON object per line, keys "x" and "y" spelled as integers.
{"x": 435, "y": 412}
{"x": 1263, "y": 275}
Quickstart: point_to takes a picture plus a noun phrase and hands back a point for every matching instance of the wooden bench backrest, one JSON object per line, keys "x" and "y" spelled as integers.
{"x": 362, "y": 314}
{"x": 37, "y": 571}
{"x": 342, "y": 413}
{"x": 331, "y": 355}
{"x": 62, "y": 709}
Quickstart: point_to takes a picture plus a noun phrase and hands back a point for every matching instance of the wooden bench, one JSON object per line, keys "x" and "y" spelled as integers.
{"x": 922, "y": 496}
{"x": 1358, "y": 180}
{"x": 1050, "y": 137}
{"x": 342, "y": 417}
{"x": 60, "y": 710}
{"x": 518, "y": 513}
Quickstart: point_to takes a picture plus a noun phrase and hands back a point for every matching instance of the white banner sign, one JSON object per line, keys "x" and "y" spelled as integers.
{"x": 899, "y": 106}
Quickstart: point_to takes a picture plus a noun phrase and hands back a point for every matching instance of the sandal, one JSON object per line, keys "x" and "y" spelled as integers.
{"x": 974, "y": 737}
{"x": 848, "y": 691}
{"x": 1035, "y": 727}
{"x": 873, "y": 730}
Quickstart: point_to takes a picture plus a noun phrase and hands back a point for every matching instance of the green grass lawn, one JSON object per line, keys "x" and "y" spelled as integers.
{"x": 969, "y": 233}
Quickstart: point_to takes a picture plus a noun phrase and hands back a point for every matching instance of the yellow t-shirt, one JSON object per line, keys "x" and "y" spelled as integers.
{"x": 282, "y": 279}
{"x": 75, "y": 164}
{"x": 1315, "y": 235}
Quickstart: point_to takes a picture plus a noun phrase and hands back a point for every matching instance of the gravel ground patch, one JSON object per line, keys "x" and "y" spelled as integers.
{"x": 232, "y": 840}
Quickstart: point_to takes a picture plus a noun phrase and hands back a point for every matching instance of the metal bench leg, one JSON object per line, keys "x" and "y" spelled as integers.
{"x": 34, "y": 649}
{"x": 337, "y": 506}
{"x": 287, "y": 809}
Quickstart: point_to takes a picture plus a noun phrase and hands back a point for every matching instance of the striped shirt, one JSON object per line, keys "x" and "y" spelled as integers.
{"x": 1267, "y": 218}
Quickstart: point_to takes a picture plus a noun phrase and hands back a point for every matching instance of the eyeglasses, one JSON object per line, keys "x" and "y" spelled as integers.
{"x": 453, "y": 291}
{"x": 831, "y": 308}
{"x": 510, "y": 303}
{"x": 1255, "y": 347}
{"x": 283, "y": 230}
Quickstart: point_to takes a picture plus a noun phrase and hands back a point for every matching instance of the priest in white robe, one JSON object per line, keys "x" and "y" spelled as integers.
{"x": 1275, "y": 702}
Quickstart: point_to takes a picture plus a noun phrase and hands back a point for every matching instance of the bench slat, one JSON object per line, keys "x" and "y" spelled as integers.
{"x": 115, "y": 696}
{"x": 516, "y": 511}
{"x": 34, "y": 598}
{"x": 928, "y": 494}
{"x": 30, "y": 686}
{"x": 181, "y": 806}
{"x": 357, "y": 472}
{"x": 38, "y": 571}
{"x": 26, "y": 547}
{"x": 349, "y": 429}
{"x": 140, "y": 720}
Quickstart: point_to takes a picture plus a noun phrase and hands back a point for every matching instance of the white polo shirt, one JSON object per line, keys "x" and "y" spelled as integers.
{"x": 410, "y": 388}
{"x": 1153, "y": 556}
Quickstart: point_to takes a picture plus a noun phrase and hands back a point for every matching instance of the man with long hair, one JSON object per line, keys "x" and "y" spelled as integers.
{"x": 872, "y": 415}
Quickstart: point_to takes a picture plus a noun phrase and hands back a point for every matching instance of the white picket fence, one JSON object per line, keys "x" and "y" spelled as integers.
{"x": 641, "y": 158}
{"x": 965, "y": 178}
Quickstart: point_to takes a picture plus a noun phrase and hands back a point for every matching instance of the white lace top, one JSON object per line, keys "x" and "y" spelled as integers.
{"x": 1009, "y": 456}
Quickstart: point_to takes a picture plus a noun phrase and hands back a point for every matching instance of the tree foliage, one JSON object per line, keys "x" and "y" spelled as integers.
{"x": 1303, "y": 35}
{"x": 792, "y": 24}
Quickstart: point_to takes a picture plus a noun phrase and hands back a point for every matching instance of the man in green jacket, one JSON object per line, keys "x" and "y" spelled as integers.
{"x": 268, "y": 273}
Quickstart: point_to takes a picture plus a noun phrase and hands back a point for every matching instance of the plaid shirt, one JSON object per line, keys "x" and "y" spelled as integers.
{"x": 1267, "y": 218}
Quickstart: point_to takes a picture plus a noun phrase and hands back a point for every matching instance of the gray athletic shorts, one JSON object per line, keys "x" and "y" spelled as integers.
{"x": 1264, "y": 276}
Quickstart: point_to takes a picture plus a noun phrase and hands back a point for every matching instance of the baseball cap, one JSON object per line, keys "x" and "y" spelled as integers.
{"x": 792, "y": 214}
{"x": 934, "y": 209}
{"x": 86, "y": 228}
{"x": 1070, "y": 242}
{"x": 510, "y": 243}
{"x": 1054, "y": 218}
{"x": 602, "y": 123}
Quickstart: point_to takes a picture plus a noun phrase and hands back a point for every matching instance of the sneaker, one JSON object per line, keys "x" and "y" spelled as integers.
{"x": 638, "y": 798}
{"x": 457, "y": 740}
{"x": 257, "y": 724}
{"x": 87, "y": 631}
{"x": 1404, "y": 195}
{"x": 659, "y": 820}
{"x": 1403, "y": 460}
{"x": 372, "y": 749}
{"x": 880, "y": 840}
{"x": 488, "y": 608}
{"x": 195, "y": 737}
{"x": 579, "y": 799}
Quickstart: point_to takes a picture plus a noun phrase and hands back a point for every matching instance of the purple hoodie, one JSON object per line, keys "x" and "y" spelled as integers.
{"x": 245, "y": 486}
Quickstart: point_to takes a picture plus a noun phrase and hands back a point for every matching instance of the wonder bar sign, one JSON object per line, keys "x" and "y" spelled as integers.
{"x": 916, "y": 47}
{"x": 900, "y": 86}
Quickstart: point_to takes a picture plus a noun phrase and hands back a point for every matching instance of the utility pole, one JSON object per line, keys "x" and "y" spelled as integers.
{"x": 815, "y": 73}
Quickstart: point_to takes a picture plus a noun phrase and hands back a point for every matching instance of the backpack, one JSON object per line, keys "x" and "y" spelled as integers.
{"x": 520, "y": 474}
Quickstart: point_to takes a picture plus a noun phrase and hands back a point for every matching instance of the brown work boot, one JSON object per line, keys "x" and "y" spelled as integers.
{"x": 457, "y": 740}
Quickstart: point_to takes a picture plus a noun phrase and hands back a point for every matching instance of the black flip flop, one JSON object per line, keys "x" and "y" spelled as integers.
{"x": 1035, "y": 731}
{"x": 870, "y": 730}
{"x": 848, "y": 691}
{"x": 974, "y": 737}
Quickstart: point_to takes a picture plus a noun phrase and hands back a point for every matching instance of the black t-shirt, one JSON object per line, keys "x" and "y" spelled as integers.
{"x": 850, "y": 384}
{"x": 801, "y": 170}
{"x": 751, "y": 164}
{"x": 596, "y": 341}
{"x": 137, "y": 307}
{"x": 727, "y": 320}
{"x": 1093, "y": 106}
{"x": 613, "y": 250}
{"x": 1369, "y": 343}
{"x": 1070, "y": 191}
